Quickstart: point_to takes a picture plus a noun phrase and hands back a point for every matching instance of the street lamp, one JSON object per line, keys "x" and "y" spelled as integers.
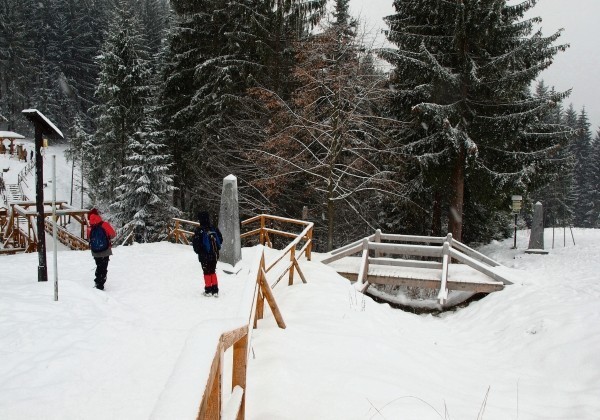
{"x": 43, "y": 127}
{"x": 517, "y": 201}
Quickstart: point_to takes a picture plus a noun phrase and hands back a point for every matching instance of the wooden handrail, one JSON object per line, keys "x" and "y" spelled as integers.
{"x": 211, "y": 404}
{"x": 180, "y": 235}
{"x": 211, "y": 407}
{"x": 263, "y": 232}
{"x": 448, "y": 250}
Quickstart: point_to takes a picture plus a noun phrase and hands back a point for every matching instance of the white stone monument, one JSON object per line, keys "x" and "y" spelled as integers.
{"x": 229, "y": 225}
{"x": 536, "y": 240}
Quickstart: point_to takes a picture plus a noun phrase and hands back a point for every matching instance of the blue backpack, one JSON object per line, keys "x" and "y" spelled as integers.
{"x": 98, "y": 239}
{"x": 211, "y": 242}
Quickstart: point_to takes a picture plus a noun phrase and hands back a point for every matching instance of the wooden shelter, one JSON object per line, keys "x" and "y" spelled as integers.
{"x": 11, "y": 136}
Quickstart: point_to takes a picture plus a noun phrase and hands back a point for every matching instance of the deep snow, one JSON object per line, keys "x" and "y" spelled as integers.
{"x": 527, "y": 352}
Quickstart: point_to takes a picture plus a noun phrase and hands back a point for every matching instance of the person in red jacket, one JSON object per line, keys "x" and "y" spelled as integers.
{"x": 101, "y": 252}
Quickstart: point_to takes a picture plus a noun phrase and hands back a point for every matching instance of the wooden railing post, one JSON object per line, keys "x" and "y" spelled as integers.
{"x": 309, "y": 247}
{"x": 448, "y": 240}
{"x": 292, "y": 265}
{"x": 262, "y": 230}
{"x": 378, "y": 240}
{"x": 240, "y": 361}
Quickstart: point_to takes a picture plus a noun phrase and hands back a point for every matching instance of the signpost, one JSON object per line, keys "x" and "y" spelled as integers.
{"x": 517, "y": 201}
{"x": 43, "y": 127}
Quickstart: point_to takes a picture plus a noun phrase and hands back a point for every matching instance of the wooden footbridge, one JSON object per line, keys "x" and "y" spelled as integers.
{"x": 419, "y": 261}
{"x": 18, "y": 230}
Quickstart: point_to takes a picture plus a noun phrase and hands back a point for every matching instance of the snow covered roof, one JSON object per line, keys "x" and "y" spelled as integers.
{"x": 51, "y": 129}
{"x": 10, "y": 135}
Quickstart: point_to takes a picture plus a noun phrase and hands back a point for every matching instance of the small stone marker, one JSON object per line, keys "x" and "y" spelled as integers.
{"x": 536, "y": 240}
{"x": 229, "y": 225}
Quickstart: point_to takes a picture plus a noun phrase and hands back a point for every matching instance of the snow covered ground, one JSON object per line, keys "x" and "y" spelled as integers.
{"x": 527, "y": 352}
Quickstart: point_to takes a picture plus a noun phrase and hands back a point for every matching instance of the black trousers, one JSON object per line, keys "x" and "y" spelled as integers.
{"x": 101, "y": 270}
{"x": 209, "y": 267}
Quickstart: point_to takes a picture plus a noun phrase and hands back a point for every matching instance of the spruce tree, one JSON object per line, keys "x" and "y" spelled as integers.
{"x": 461, "y": 75}
{"x": 218, "y": 49}
{"x": 143, "y": 203}
{"x": 581, "y": 148}
{"x": 123, "y": 93}
{"x": 554, "y": 191}
{"x": 593, "y": 215}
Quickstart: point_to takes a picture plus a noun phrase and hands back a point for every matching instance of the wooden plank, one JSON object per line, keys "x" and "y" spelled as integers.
{"x": 474, "y": 254}
{"x": 238, "y": 380}
{"x": 345, "y": 253}
{"x": 400, "y": 249}
{"x": 477, "y": 266}
{"x": 268, "y": 293}
{"x": 229, "y": 338}
{"x": 351, "y": 245}
{"x": 399, "y": 262}
{"x": 300, "y": 271}
{"x": 412, "y": 238}
{"x": 469, "y": 286}
{"x": 210, "y": 407}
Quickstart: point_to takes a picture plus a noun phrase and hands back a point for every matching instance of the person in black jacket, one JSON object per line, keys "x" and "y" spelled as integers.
{"x": 207, "y": 243}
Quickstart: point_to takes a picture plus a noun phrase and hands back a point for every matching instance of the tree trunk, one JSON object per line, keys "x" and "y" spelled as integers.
{"x": 457, "y": 198}
{"x": 436, "y": 217}
{"x": 330, "y": 218}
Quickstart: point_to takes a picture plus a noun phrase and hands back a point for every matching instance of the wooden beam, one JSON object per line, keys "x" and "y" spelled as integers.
{"x": 240, "y": 363}
{"x": 268, "y": 293}
{"x": 468, "y": 286}
{"x": 210, "y": 407}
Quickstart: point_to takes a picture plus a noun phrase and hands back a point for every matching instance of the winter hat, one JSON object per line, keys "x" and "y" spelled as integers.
{"x": 93, "y": 211}
{"x": 204, "y": 218}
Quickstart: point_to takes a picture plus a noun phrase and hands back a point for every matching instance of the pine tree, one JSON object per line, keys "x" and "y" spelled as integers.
{"x": 143, "y": 201}
{"x": 123, "y": 93}
{"x": 218, "y": 49}
{"x": 461, "y": 76}
{"x": 16, "y": 60}
{"x": 593, "y": 215}
{"x": 581, "y": 148}
{"x": 554, "y": 187}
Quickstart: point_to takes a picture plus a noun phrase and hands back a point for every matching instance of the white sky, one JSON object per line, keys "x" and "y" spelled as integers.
{"x": 576, "y": 68}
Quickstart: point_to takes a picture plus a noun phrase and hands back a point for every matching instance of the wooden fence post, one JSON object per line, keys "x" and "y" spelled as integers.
{"x": 378, "y": 240}
{"x": 292, "y": 265}
{"x": 240, "y": 361}
{"x": 309, "y": 247}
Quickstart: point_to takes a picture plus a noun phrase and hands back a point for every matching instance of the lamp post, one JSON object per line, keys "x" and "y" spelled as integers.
{"x": 517, "y": 200}
{"x": 43, "y": 126}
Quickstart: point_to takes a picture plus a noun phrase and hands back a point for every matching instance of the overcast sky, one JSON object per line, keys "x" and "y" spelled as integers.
{"x": 576, "y": 69}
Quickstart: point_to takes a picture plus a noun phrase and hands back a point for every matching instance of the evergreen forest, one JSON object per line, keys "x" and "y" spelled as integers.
{"x": 160, "y": 100}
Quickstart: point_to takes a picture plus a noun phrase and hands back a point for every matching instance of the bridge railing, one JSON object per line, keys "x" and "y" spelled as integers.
{"x": 20, "y": 232}
{"x": 429, "y": 256}
{"x": 266, "y": 232}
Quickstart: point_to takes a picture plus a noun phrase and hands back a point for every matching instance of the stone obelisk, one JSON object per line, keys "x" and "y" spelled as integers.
{"x": 536, "y": 240}
{"x": 229, "y": 225}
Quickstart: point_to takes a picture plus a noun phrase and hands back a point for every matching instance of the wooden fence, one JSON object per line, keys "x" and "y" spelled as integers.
{"x": 211, "y": 406}
{"x": 265, "y": 232}
{"x": 19, "y": 233}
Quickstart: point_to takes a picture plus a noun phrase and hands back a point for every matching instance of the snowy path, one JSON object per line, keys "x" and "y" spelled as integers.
{"x": 110, "y": 351}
